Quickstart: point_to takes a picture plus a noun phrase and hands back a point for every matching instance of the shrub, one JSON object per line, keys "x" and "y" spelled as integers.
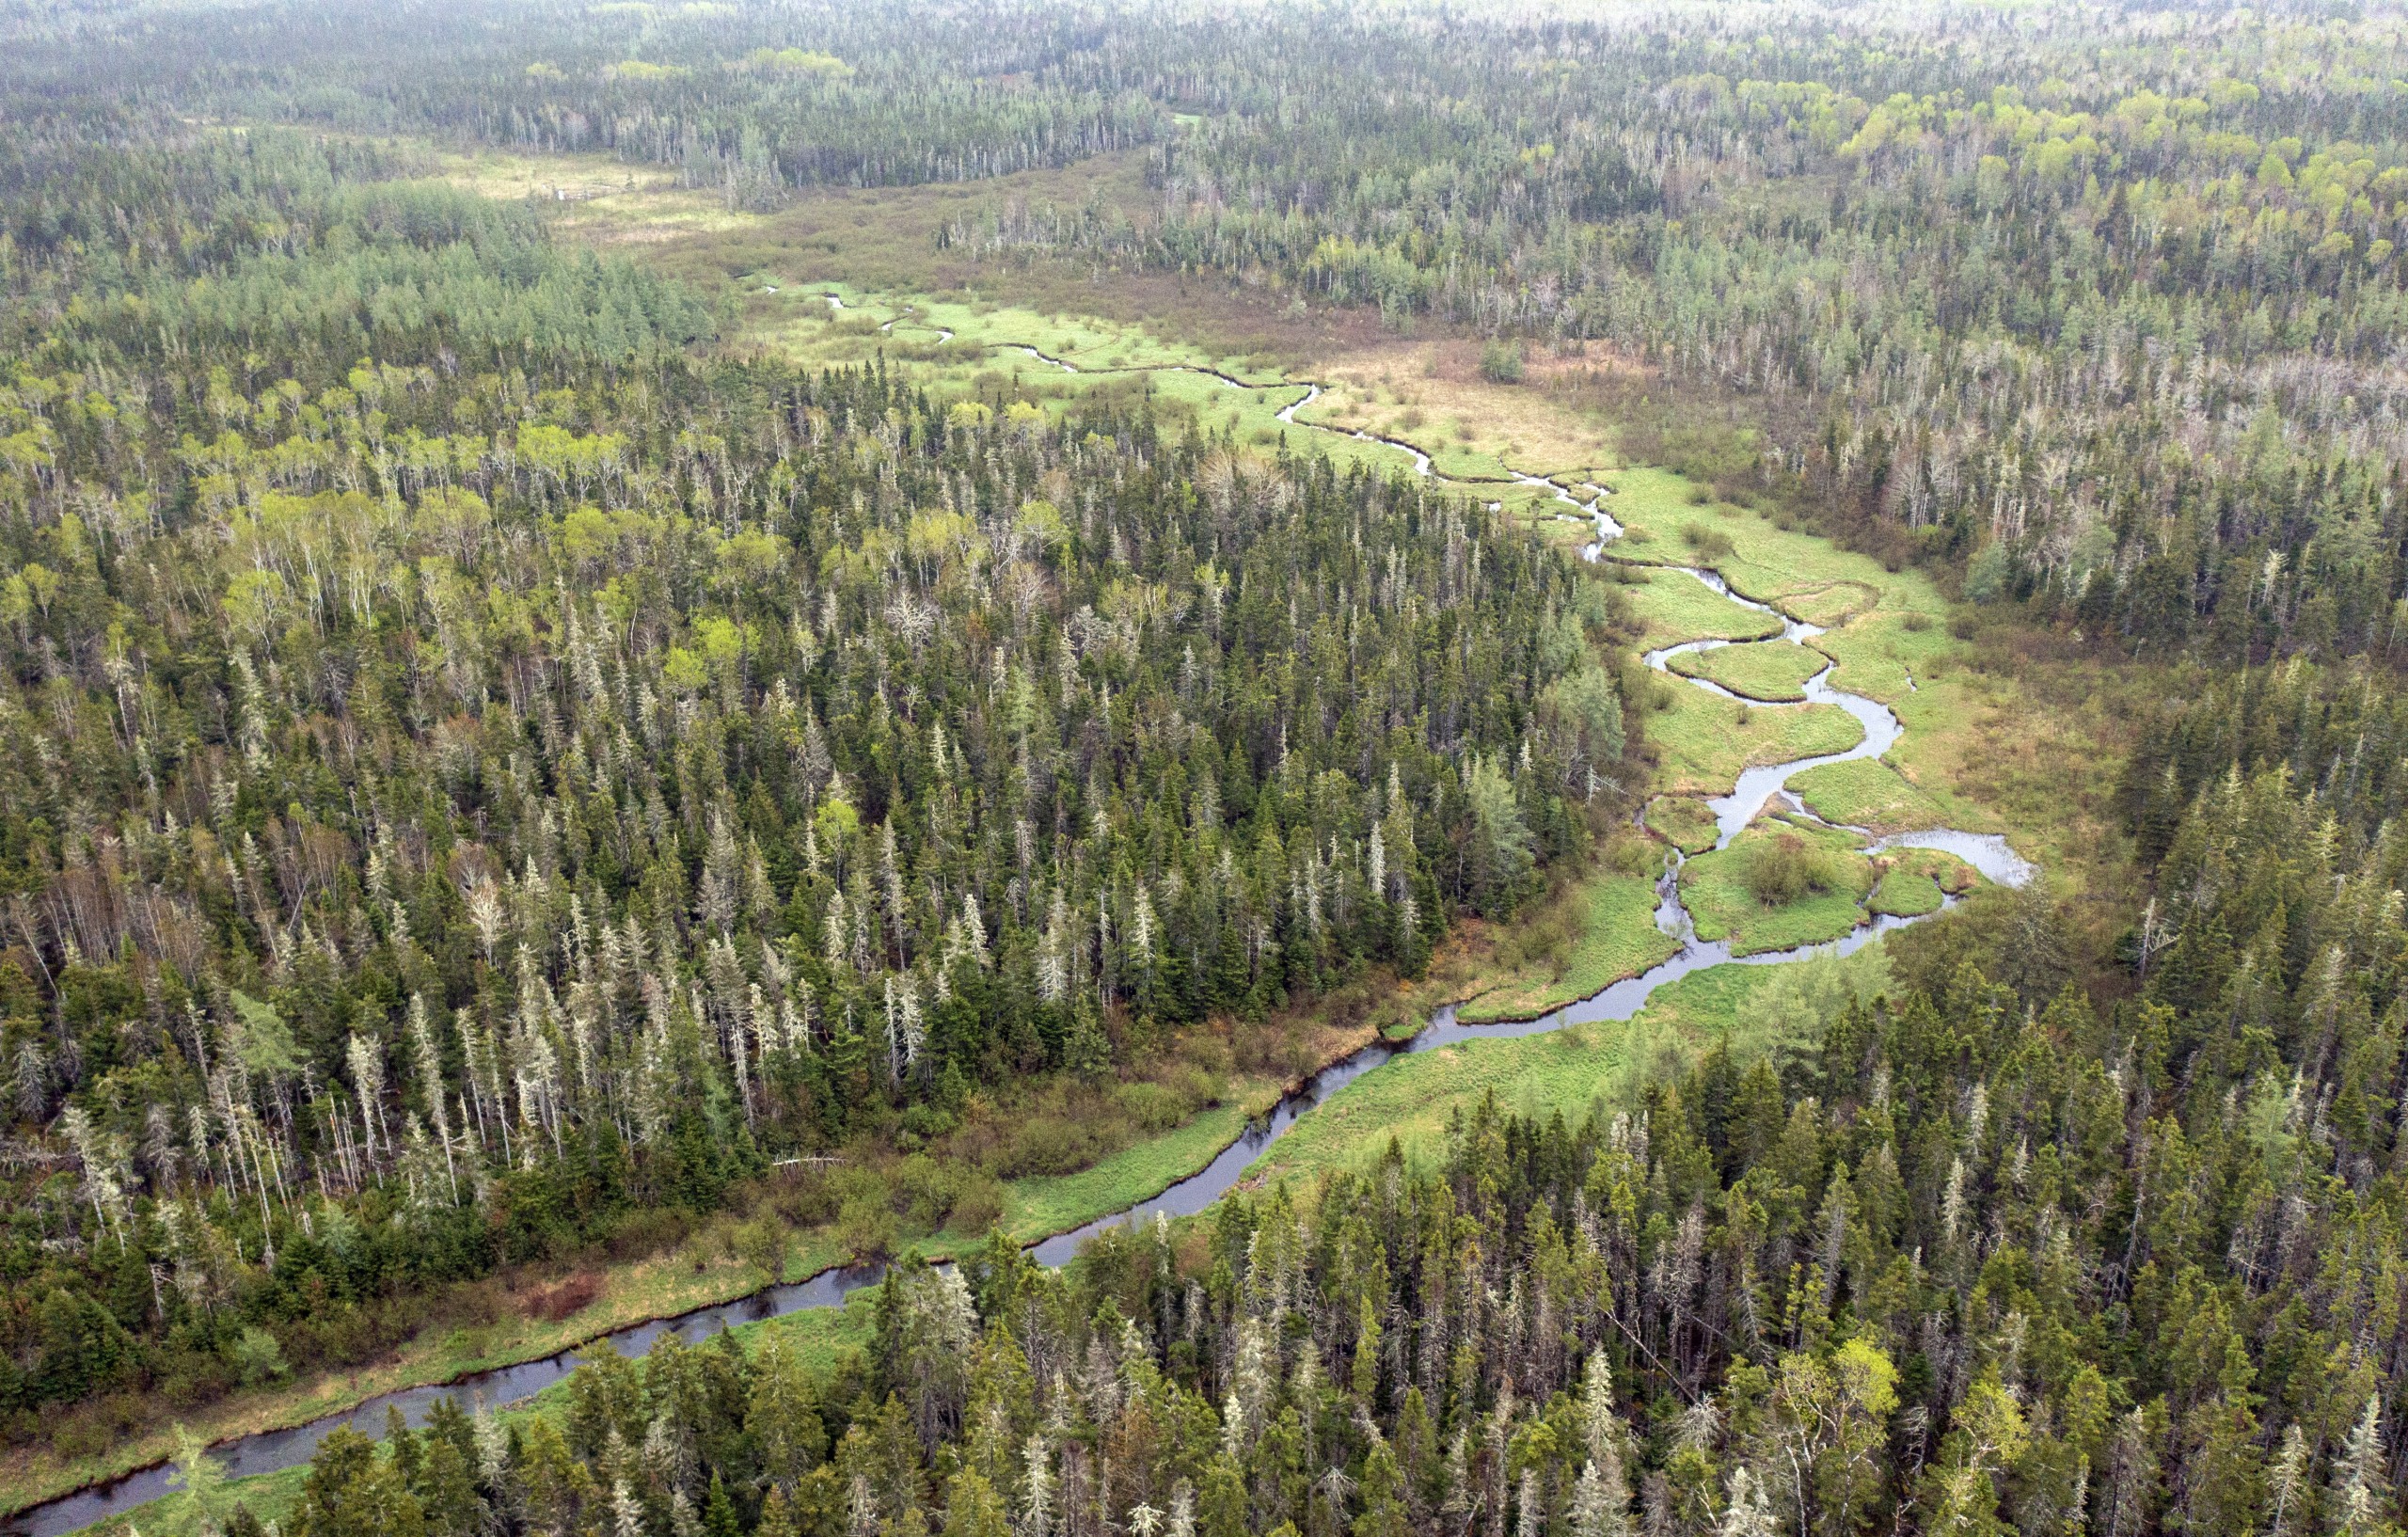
{"x": 1501, "y": 362}
{"x": 256, "y": 1357}
{"x": 1784, "y": 867}
{"x": 553, "y": 1304}
{"x": 1713, "y": 543}
{"x": 928, "y": 1120}
{"x": 762, "y": 1244}
{"x": 647, "y": 1230}
{"x": 979, "y": 1202}
{"x": 1195, "y": 1086}
{"x": 1045, "y": 1144}
{"x": 1153, "y": 1107}
{"x": 924, "y": 1192}
{"x": 1988, "y": 573}
{"x": 865, "y": 1230}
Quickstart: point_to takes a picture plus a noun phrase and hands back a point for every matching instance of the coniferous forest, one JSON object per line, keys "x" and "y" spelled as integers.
{"x": 503, "y": 768}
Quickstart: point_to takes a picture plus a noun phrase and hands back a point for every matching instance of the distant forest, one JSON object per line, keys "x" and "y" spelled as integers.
{"x": 2102, "y": 307}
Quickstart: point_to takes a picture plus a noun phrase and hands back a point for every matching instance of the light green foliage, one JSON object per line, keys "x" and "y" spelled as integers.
{"x": 1588, "y": 704}
{"x": 266, "y": 1044}
{"x": 201, "y": 1501}
{"x": 1800, "y": 1000}
{"x": 256, "y": 1357}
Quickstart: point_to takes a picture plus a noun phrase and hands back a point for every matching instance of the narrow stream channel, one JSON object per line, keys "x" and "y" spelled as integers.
{"x": 270, "y": 1450}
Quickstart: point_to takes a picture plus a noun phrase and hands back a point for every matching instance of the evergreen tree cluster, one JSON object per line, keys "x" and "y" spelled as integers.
{"x": 753, "y": 101}
{"x": 1963, "y": 1265}
{"x": 2103, "y": 304}
{"x": 473, "y": 773}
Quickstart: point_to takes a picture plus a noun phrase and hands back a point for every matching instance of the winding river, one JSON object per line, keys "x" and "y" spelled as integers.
{"x": 270, "y": 1450}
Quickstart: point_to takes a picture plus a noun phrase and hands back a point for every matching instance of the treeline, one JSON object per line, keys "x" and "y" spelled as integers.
{"x": 211, "y": 245}
{"x": 2100, "y": 308}
{"x": 2099, "y": 312}
{"x": 1981, "y": 1257}
{"x": 473, "y": 775}
{"x": 1964, "y": 1264}
{"x": 753, "y": 101}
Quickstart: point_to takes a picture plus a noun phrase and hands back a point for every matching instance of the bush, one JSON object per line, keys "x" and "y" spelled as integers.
{"x": 1501, "y": 362}
{"x": 924, "y": 1192}
{"x": 647, "y": 1230}
{"x": 1784, "y": 867}
{"x": 1153, "y": 1107}
{"x": 865, "y": 1230}
{"x": 979, "y": 1202}
{"x": 762, "y": 1244}
{"x": 1046, "y": 1144}
{"x": 1712, "y": 544}
{"x": 813, "y": 1200}
{"x": 553, "y": 1304}
{"x": 1988, "y": 573}
{"x": 256, "y": 1357}
{"x": 1196, "y": 1085}
{"x": 929, "y": 1121}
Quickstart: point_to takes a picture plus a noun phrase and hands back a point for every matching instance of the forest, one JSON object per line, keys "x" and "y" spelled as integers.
{"x": 507, "y": 771}
{"x": 480, "y": 804}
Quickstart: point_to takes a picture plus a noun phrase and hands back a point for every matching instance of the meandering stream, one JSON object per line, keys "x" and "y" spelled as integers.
{"x": 270, "y": 1450}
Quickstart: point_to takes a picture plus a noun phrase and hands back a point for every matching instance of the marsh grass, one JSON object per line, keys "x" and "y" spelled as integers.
{"x": 1768, "y": 672}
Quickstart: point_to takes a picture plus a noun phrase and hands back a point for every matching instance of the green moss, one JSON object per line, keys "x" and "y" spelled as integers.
{"x": 1654, "y": 498}
{"x": 1880, "y": 653}
{"x": 1833, "y": 605}
{"x": 1703, "y": 742}
{"x": 1917, "y": 879}
{"x": 1906, "y": 893}
{"x": 1674, "y": 606}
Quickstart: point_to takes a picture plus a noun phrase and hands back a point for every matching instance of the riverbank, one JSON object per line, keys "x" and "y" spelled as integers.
{"x": 1590, "y": 918}
{"x": 689, "y": 1281}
